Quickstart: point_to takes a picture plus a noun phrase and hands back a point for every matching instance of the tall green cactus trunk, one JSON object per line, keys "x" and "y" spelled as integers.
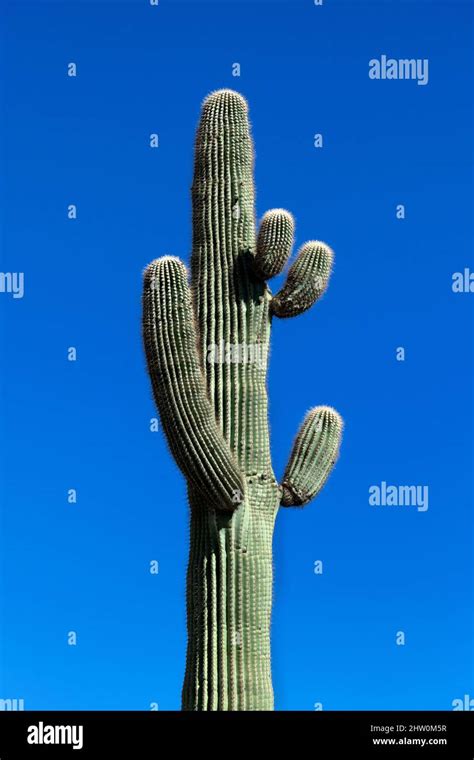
{"x": 229, "y": 605}
{"x": 207, "y": 352}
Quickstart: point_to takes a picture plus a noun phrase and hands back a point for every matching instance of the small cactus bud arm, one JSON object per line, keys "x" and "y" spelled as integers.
{"x": 178, "y": 386}
{"x": 274, "y": 243}
{"x": 306, "y": 282}
{"x": 314, "y": 453}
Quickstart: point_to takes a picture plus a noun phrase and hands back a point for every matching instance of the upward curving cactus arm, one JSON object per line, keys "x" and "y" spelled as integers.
{"x": 178, "y": 386}
{"x": 307, "y": 280}
{"x": 274, "y": 243}
{"x": 314, "y": 454}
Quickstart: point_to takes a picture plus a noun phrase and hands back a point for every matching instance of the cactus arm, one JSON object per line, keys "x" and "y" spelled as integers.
{"x": 178, "y": 386}
{"x": 274, "y": 243}
{"x": 314, "y": 454}
{"x": 306, "y": 281}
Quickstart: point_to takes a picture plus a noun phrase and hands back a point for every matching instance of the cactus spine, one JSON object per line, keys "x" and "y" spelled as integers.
{"x": 214, "y": 408}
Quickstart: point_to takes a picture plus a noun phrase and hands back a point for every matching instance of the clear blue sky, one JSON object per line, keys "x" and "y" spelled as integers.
{"x": 85, "y": 425}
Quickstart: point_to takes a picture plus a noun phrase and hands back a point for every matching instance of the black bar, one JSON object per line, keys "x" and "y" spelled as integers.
{"x": 317, "y": 735}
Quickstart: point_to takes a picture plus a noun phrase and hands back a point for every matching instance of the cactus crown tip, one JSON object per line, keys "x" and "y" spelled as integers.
{"x": 330, "y": 414}
{"x": 168, "y": 258}
{"x": 226, "y": 97}
{"x": 279, "y": 213}
{"x": 321, "y": 246}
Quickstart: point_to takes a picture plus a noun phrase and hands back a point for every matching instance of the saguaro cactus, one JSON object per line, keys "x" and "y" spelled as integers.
{"x": 207, "y": 347}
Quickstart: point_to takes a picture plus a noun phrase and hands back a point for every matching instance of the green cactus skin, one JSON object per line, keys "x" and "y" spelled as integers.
{"x": 214, "y": 413}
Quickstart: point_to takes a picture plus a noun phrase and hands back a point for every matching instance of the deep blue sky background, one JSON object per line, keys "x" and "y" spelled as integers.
{"x": 85, "y": 425}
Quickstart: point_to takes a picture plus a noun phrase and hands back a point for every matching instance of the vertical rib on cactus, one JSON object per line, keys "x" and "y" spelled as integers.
{"x": 214, "y": 410}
